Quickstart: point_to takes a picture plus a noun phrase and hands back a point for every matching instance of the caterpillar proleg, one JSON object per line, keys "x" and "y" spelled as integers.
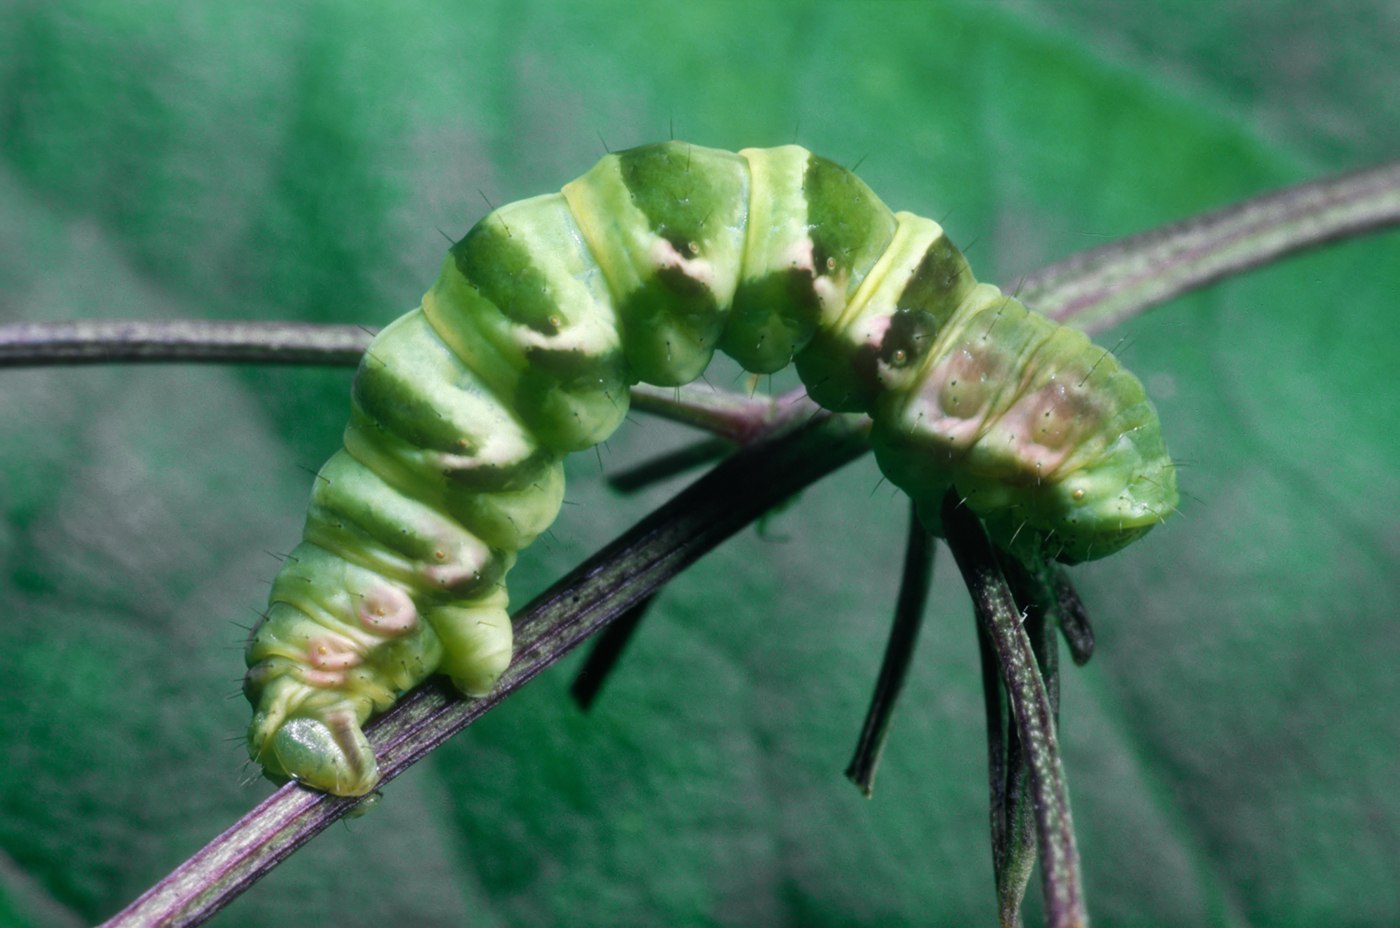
{"x": 524, "y": 349}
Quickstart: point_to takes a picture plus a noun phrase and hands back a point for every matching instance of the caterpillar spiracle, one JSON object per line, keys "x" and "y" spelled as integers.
{"x": 524, "y": 349}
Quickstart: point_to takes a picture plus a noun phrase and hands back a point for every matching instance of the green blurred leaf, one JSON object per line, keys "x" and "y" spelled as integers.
{"x": 1232, "y": 752}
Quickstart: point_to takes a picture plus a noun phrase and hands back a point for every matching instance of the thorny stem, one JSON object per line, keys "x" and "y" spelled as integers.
{"x": 1102, "y": 287}
{"x": 103, "y": 341}
{"x": 1010, "y": 818}
{"x": 1029, "y": 702}
{"x": 1040, "y": 609}
{"x": 660, "y": 546}
{"x": 734, "y": 416}
{"x": 1013, "y": 824}
{"x": 899, "y": 652}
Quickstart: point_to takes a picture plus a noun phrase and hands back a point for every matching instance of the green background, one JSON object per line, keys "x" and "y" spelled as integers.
{"x": 1233, "y": 748}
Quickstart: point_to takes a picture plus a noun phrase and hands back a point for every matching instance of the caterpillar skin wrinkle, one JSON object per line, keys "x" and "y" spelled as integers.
{"x": 525, "y": 347}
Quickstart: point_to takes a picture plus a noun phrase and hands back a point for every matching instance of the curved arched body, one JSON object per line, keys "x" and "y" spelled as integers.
{"x": 523, "y": 351}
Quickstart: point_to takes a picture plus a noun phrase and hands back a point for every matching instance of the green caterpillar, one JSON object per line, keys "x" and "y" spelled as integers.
{"x": 523, "y": 351}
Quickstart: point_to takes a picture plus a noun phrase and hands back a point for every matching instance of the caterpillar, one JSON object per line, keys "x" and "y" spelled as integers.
{"x": 523, "y": 351}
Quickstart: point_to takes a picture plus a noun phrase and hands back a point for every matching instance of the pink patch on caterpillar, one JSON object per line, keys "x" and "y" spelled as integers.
{"x": 387, "y": 610}
{"x": 327, "y": 659}
{"x": 1046, "y": 427}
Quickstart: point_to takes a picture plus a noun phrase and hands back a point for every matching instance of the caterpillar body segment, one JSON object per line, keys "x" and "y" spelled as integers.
{"x": 523, "y": 350}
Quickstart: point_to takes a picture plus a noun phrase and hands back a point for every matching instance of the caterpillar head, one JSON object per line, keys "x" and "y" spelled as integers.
{"x": 1112, "y": 502}
{"x": 1099, "y": 508}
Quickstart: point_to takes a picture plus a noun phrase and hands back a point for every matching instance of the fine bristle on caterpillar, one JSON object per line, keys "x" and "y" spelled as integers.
{"x": 524, "y": 349}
